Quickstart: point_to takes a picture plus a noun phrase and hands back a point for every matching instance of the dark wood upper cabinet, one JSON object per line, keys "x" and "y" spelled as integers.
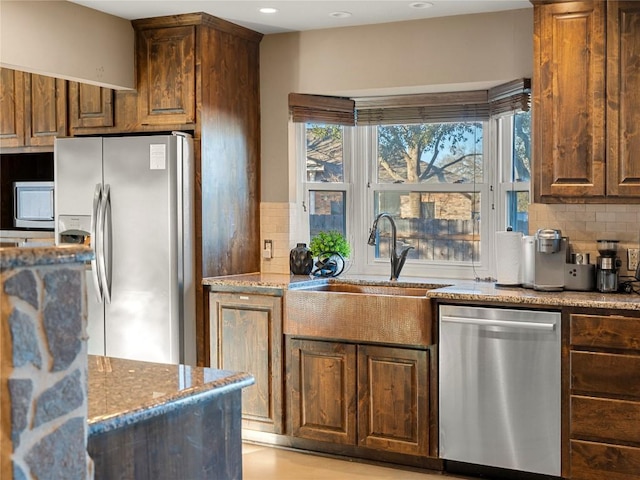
{"x": 569, "y": 100}
{"x": 45, "y": 109}
{"x": 89, "y": 106}
{"x": 33, "y": 110}
{"x": 11, "y": 108}
{"x": 623, "y": 98}
{"x": 586, "y": 101}
{"x": 166, "y": 75}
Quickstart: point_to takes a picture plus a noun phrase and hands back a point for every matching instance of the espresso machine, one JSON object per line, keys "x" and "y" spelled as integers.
{"x": 607, "y": 266}
{"x": 550, "y": 260}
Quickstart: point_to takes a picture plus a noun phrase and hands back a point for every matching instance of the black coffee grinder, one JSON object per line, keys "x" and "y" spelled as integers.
{"x": 607, "y": 266}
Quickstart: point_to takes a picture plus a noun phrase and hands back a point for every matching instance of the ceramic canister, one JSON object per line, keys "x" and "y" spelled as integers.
{"x": 300, "y": 260}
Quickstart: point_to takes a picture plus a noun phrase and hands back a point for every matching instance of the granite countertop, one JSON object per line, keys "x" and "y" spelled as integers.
{"x": 441, "y": 289}
{"x": 123, "y": 392}
{"x": 15, "y": 257}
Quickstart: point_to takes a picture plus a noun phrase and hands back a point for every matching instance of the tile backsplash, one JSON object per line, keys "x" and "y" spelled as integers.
{"x": 584, "y": 224}
{"x": 276, "y": 225}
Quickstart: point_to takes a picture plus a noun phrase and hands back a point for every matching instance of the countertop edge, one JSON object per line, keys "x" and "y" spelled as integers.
{"x": 440, "y": 289}
{"x": 17, "y": 257}
{"x": 193, "y": 396}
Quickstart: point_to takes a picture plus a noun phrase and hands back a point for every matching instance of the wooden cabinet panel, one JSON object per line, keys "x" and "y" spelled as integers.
{"x": 11, "y": 108}
{"x": 323, "y": 391}
{"x": 246, "y": 336}
{"x": 45, "y": 109}
{"x": 606, "y": 419}
{"x": 569, "y": 99}
{"x": 166, "y": 75}
{"x": 90, "y": 106}
{"x": 393, "y": 405}
{"x": 605, "y": 397}
{"x": 598, "y": 461}
{"x": 623, "y": 98}
{"x": 605, "y": 373}
{"x": 605, "y": 331}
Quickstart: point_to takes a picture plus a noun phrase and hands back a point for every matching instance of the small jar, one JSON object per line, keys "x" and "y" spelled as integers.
{"x": 300, "y": 260}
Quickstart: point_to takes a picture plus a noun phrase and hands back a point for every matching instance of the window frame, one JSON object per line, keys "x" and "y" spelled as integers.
{"x": 359, "y": 187}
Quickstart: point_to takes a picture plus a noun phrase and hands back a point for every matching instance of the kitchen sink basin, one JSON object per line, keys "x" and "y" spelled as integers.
{"x": 369, "y": 289}
{"x": 390, "y": 314}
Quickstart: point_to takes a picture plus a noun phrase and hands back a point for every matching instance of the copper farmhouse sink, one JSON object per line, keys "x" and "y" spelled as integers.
{"x": 389, "y": 314}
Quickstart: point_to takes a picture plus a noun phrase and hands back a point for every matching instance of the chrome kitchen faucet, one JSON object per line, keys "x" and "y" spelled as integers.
{"x": 397, "y": 261}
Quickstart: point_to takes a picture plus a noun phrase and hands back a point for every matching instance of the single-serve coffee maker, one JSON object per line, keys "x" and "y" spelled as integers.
{"x": 607, "y": 266}
{"x": 550, "y": 260}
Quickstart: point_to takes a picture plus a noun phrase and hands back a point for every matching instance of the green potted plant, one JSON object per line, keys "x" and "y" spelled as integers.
{"x": 324, "y": 246}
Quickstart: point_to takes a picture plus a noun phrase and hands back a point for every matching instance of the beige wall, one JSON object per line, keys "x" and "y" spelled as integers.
{"x": 442, "y": 54}
{"x": 65, "y": 40}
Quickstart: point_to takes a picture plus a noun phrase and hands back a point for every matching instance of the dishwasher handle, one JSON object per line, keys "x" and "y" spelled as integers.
{"x": 486, "y": 322}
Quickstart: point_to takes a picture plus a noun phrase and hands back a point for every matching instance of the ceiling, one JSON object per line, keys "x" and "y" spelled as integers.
{"x": 295, "y": 15}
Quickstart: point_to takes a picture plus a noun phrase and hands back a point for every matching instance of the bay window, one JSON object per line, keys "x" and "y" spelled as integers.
{"x": 450, "y": 172}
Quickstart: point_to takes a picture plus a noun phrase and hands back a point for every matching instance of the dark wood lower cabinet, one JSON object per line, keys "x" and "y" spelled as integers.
{"x": 605, "y": 397}
{"x": 393, "y": 404}
{"x": 323, "y": 391}
{"x": 246, "y": 336}
{"x": 602, "y": 461}
{"x": 370, "y": 396}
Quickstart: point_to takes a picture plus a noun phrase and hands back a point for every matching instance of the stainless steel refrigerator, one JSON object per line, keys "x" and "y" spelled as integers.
{"x": 131, "y": 199}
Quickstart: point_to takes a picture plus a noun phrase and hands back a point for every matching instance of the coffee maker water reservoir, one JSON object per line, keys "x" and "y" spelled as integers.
{"x": 608, "y": 264}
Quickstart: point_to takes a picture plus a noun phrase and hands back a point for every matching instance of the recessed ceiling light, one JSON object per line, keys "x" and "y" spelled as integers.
{"x": 268, "y": 10}
{"x": 421, "y": 4}
{"x": 340, "y": 14}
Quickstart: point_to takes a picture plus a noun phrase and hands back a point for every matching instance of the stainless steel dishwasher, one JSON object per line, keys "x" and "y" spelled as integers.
{"x": 499, "y": 388}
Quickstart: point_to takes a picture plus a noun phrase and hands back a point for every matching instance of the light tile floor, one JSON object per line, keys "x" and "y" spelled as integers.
{"x": 266, "y": 463}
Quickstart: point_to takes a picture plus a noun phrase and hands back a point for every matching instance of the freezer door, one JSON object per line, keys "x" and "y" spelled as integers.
{"x": 142, "y": 320}
{"x": 77, "y": 170}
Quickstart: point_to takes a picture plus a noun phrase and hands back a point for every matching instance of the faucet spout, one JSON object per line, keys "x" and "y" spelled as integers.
{"x": 397, "y": 261}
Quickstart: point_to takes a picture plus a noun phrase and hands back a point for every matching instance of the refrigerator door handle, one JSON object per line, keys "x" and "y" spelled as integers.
{"x": 95, "y": 243}
{"x": 106, "y": 244}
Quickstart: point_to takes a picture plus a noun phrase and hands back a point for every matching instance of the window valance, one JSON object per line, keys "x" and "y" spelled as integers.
{"x": 478, "y": 105}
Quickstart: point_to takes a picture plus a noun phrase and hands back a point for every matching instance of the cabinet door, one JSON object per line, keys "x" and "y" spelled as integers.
{"x": 90, "y": 106}
{"x": 323, "y": 391}
{"x": 246, "y": 336}
{"x": 623, "y": 98}
{"x": 569, "y": 99}
{"x": 166, "y": 75}
{"x": 11, "y": 108}
{"x": 45, "y": 110}
{"x": 393, "y": 404}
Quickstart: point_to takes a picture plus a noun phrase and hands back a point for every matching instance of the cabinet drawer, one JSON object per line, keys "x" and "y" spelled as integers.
{"x": 605, "y": 331}
{"x": 605, "y": 373}
{"x": 616, "y": 420}
{"x": 599, "y": 461}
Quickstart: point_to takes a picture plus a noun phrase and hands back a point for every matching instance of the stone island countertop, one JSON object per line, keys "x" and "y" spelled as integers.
{"x": 164, "y": 422}
{"x": 441, "y": 289}
{"x": 16, "y": 257}
{"x": 124, "y": 392}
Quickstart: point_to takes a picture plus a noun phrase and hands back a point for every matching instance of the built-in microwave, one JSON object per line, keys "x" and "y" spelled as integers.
{"x": 33, "y": 205}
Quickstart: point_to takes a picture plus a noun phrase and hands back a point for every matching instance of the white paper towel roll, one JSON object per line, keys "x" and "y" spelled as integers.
{"x": 508, "y": 257}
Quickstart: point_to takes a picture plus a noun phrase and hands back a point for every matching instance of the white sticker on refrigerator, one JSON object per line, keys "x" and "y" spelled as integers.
{"x": 157, "y": 156}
